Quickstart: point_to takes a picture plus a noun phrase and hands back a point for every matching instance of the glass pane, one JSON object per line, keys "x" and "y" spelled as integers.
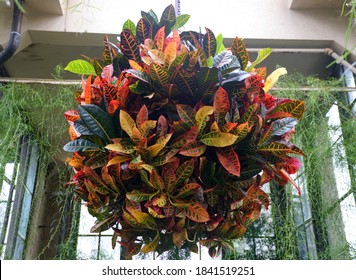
{"x": 87, "y": 248}
{"x": 4, "y": 195}
{"x": 86, "y": 221}
{"x": 312, "y": 254}
{"x": 341, "y": 171}
{"x": 20, "y": 246}
{"x": 25, "y": 214}
{"x": 2, "y": 214}
{"x": 32, "y": 170}
{"x": 106, "y": 251}
{"x": 348, "y": 209}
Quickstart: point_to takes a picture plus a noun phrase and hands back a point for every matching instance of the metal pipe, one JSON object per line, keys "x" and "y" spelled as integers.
{"x": 15, "y": 35}
{"x": 350, "y": 82}
{"x": 340, "y": 60}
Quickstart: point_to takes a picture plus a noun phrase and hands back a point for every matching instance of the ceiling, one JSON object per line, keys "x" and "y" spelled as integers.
{"x": 316, "y": 4}
{"x": 48, "y": 49}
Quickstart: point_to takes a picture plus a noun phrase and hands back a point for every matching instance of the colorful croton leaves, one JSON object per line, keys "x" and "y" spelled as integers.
{"x": 174, "y": 136}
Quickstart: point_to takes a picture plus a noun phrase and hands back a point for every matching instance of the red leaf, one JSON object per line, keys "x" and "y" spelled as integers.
{"x": 162, "y": 126}
{"x": 112, "y": 107}
{"x": 142, "y": 116}
{"x": 87, "y": 91}
{"x": 71, "y": 116}
{"x": 185, "y": 139}
{"x": 221, "y": 105}
{"x": 229, "y": 160}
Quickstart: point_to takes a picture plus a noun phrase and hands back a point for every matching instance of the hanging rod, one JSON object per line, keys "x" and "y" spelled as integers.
{"x": 79, "y": 82}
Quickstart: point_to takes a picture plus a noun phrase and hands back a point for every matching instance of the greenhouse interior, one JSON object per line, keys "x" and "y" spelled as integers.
{"x": 178, "y": 130}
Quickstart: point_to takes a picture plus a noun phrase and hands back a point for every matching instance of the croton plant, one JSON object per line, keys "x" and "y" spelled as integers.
{"x": 174, "y": 136}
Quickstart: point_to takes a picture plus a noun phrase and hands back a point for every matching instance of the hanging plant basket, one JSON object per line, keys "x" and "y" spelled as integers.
{"x": 175, "y": 135}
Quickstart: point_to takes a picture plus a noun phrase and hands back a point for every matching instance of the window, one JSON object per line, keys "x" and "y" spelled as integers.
{"x": 17, "y": 191}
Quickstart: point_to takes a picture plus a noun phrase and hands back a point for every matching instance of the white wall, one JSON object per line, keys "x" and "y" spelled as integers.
{"x": 270, "y": 19}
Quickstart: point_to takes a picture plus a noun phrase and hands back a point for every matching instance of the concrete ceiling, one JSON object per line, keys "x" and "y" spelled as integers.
{"x": 316, "y": 4}
{"x": 48, "y": 49}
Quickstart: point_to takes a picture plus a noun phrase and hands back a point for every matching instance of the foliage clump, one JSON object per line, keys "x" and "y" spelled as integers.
{"x": 175, "y": 135}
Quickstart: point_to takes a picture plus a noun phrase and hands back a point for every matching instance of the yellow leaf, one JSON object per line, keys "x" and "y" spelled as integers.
{"x": 161, "y": 143}
{"x": 170, "y": 53}
{"x": 219, "y": 139}
{"x": 127, "y": 123}
{"x": 135, "y": 65}
{"x": 154, "y": 214}
{"x": 118, "y": 159}
{"x": 151, "y": 246}
{"x": 201, "y": 116}
{"x": 214, "y": 127}
{"x": 273, "y": 78}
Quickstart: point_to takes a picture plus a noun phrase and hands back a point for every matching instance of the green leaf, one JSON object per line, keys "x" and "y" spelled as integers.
{"x": 151, "y": 246}
{"x": 129, "y": 46}
{"x": 296, "y": 108}
{"x": 218, "y": 139}
{"x": 80, "y": 66}
{"x": 209, "y": 43}
{"x": 187, "y": 190}
{"x": 158, "y": 74}
{"x": 168, "y": 18}
{"x": 199, "y": 49}
{"x": 144, "y": 179}
{"x": 219, "y": 44}
{"x": 186, "y": 114}
{"x": 143, "y": 31}
{"x": 80, "y": 145}
{"x": 130, "y": 25}
{"x": 184, "y": 171}
{"x": 180, "y": 21}
{"x": 262, "y": 55}
{"x": 185, "y": 82}
{"x": 207, "y": 74}
{"x": 103, "y": 225}
{"x": 139, "y": 75}
{"x": 96, "y": 160}
{"x": 98, "y": 121}
{"x": 153, "y": 15}
{"x": 238, "y": 48}
{"x": 145, "y": 220}
{"x": 138, "y": 196}
{"x": 156, "y": 180}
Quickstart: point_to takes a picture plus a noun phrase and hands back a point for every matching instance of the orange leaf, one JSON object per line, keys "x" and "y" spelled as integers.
{"x": 229, "y": 160}
{"x": 71, "y": 116}
{"x": 194, "y": 149}
{"x": 170, "y": 53}
{"x": 159, "y": 38}
{"x": 221, "y": 105}
{"x": 87, "y": 91}
{"x": 197, "y": 213}
{"x": 142, "y": 116}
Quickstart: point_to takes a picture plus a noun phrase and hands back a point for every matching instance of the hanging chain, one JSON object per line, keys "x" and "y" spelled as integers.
{"x": 177, "y": 8}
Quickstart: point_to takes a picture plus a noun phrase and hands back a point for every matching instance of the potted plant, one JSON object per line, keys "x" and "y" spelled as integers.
{"x": 174, "y": 136}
